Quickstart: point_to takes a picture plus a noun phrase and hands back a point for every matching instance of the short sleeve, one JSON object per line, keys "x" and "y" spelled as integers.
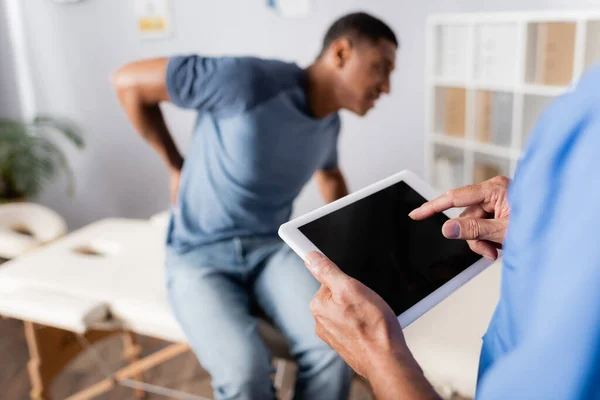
{"x": 331, "y": 161}
{"x": 209, "y": 84}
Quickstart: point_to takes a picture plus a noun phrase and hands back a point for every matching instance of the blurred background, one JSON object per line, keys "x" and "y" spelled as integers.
{"x": 73, "y": 49}
{"x": 471, "y": 79}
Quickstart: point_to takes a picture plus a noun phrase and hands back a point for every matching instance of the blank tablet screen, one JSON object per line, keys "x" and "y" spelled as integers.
{"x": 374, "y": 241}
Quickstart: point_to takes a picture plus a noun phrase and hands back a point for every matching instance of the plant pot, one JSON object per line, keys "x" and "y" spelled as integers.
{"x": 13, "y": 200}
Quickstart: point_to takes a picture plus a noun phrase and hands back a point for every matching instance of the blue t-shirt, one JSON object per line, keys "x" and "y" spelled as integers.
{"x": 255, "y": 145}
{"x": 544, "y": 338}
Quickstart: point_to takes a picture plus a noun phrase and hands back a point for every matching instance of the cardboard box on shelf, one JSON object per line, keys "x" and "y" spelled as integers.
{"x": 483, "y": 172}
{"x": 454, "y": 111}
{"x": 555, "y": 53}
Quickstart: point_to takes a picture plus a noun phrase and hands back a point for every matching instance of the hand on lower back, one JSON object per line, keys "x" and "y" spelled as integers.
{"x": 483, "y": 223}
{"x": 175, "y": 176}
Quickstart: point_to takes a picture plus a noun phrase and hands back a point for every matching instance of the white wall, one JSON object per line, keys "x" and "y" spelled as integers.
{"x": 9, "y": 97}
{"x": 74, "y": 48}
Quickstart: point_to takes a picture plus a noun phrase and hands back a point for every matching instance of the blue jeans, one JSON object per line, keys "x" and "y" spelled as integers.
{"x": 214, "y": 291}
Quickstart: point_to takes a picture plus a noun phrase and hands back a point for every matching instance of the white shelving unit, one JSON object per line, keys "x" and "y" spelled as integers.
{"x": 489, "y": 77}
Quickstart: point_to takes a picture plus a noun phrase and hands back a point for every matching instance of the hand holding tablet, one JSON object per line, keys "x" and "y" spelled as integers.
{"x": 370, "y": 236}
{"x": 340, "y": 305}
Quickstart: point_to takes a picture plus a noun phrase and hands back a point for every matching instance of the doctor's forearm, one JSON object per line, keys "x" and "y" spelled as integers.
{"x": 394, "y": 379}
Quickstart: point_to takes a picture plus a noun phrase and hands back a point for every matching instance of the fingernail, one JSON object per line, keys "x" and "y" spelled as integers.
{"x": 451, "y": 230}
{"x": 313, "y": 258}
{"x": 412, "y": 213}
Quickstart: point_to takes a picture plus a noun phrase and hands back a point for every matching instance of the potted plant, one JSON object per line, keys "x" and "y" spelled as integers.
{"x": 29, "y": 157}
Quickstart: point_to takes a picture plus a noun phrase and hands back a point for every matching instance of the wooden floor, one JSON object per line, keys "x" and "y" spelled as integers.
{"x": 182, "y": 373}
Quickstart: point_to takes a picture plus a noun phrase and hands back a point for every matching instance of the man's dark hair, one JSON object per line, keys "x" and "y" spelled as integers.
{"x": 358, "y": 26}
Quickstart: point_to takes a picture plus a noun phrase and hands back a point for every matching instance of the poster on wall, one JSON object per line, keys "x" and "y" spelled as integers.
{"x": 291, "y": 8}
{"x": 153, "y": 18}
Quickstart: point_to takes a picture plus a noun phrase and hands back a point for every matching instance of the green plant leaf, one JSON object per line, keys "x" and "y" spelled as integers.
{"x": 12, "y": 126}
{"x": 62, "y": 125}
{"x": 55, "y": 156}
{"x": 29, "y": 157}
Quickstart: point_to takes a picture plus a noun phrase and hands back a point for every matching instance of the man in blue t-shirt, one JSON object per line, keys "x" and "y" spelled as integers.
{"x": 264, "y": 128}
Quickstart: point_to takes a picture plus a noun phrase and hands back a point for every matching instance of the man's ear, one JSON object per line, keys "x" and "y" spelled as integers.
{"x": 340, "y": 51}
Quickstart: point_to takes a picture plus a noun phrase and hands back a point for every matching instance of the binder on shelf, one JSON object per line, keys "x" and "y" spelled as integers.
{"x": 592, "y": 48}
{"x": 443, "y": 173}
{"x": 501, "y": 119}
{"x": 483, "y": 106}
{"x": 483, "y": 172}
{"x": 493, "y": 118}
{"x": 448, "y": 173}
{"x": 454, "y": 111}
{"x": 496, "y": 54}
{"x": 555, "y": 53}
{"x": 457, "y": 173}
{"x": 451, "y": 63}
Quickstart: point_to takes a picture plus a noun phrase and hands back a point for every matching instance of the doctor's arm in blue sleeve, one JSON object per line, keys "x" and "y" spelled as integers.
{"x": 550, "y": 349}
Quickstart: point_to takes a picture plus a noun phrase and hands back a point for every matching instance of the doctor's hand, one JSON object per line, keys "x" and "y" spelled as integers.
{"x": 354, "y": 320}
{"x": 483, "y": 223}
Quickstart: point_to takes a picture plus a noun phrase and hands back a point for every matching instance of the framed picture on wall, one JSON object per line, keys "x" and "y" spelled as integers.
{"x": 153, "y": 18}
{"x": 291, "y": 8}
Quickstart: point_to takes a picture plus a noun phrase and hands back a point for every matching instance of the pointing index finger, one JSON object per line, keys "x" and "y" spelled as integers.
{"x": 462, "y": 197}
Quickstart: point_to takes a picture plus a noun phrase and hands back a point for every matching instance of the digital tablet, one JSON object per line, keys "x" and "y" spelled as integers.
{"x": 370, "y": 236}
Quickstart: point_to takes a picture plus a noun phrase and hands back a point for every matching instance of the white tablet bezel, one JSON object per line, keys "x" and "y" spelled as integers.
{"x": 290, "y": 233}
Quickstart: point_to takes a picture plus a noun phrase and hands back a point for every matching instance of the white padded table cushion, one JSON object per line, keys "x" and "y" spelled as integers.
{"x": 13, "y": 244}
{"x": 50, "y": 308}
{"x": 128, "y": 275}
{"x": 44, "y": 225}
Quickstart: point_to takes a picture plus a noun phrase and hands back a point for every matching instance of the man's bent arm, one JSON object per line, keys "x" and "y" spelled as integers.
{"x": 332, "y": 184}
{"x": 141, "y": 86}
